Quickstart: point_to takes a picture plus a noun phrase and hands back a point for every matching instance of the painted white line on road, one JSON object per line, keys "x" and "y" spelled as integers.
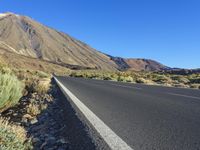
{"x": 109, "y": 136}
{"x": 126, "y": 86}
{"x": 194, "y": 97}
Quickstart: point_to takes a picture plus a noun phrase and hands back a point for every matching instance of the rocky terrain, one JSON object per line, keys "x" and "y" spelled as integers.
{"x": 55, "y": 127}
{"x": 42, "y": 118}
{"x": 24, "y": 36}
{"x": 138, "y": 64}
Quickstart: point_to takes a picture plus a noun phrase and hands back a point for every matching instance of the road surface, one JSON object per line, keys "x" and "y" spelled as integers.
{"x": 145, "y": 117}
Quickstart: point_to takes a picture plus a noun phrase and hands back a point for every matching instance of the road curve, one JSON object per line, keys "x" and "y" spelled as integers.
{"x": 145, "y": 117}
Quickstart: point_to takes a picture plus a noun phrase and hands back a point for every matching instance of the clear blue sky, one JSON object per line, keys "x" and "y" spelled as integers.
{"x": 164, "y": 30}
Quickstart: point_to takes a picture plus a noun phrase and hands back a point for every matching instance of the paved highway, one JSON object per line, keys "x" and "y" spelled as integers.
{"x": 145, "y": 117}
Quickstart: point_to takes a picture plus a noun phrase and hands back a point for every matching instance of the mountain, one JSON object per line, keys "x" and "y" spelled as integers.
{"x": 22, "y": 35}
{"x": 138, "y": 64}
{"x": 144, "y": 65}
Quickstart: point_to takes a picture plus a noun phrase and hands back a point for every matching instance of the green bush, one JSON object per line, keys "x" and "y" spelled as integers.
{"x": 195, "y": 86}
{"x": 129, "y": 79}
{"x": 195, "y": 80}
{"x": 121, "y": 78}
{"x": 13, "y": 137}
{"x": 41, "y": 74}
{"x": 180, "y": 79}
{"x": 10, "y": 90}
{"x": 161, "y": 79}
{"x": 140, "y": 80}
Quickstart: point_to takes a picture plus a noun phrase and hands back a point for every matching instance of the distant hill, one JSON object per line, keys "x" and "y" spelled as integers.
{"x": 22, "y": 35}
{"x": 138, "y": 64}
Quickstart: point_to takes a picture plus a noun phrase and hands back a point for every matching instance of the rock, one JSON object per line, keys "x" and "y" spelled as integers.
{"x": 15, "y": 114}
{"x": 51, "y": 141}
{"x": 24, "y": 120}
{"x": 34, "y": 121}
{"x": 35, "y": 140}
{"x": 61, "y": 141}
{"x": 27, "y": 116}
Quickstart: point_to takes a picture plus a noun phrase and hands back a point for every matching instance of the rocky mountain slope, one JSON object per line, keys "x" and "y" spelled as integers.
{"x": 144, "y": 64}
{"x": 138, "y": 64}
{"x": 23, "y": 36}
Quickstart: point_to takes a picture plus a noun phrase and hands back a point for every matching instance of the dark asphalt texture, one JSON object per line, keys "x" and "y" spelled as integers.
{"x": 145, "y": 117}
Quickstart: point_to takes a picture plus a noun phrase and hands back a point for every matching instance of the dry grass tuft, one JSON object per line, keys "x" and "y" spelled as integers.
{"x": 33, "y": 109}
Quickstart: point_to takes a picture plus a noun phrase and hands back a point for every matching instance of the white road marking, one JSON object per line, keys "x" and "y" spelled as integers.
{"x": 109, "y": 136}
{"x": 194, "y": 97}
{"x": 126, "y": 86}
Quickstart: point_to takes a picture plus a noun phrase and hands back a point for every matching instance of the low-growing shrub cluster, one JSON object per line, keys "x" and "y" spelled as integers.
{"x": 35, "y": 81}
{"x": 13, "y": 137}
{"x": 10, "y": 89}
{"x": 13, "y": 85}
{"x": 158, "y": 78}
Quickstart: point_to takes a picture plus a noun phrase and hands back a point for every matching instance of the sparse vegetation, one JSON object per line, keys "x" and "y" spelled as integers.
{"x": 14, "y": 84}
{"x": 13, "y": 137}
{"x": 10, "y": 89}
{"x": 154, "y": 78}
{"x": 33, "y": 110}
{"x": 35, "y": 81}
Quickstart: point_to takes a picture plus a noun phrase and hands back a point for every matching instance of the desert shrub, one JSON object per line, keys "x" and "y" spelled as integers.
{"x": 140, "y": 80}
{"x": 195, "y": 80}
{"x": 121, "y": 78}
{"x": 10, "y": 90}
{"x": 76, "y": 74}
{"x": 5, "y": 70}
{"x": 33, "y": 109}
{"x": 41, "y": 74}
{"x": 41, "y": 87}
{"x": 128, "y": 79}
{"x": 180, "y": 79}
{"x": 180, "y": 85}
{"x": 125, "y": 78}
{"x": 114, "y": 77}
{"x": 161, "y": 79}
{"x": 107, "y": 78}
{"x": 13, "y": 137}
{"x": 195, "y": 86}
{"x": 145, "y": 81}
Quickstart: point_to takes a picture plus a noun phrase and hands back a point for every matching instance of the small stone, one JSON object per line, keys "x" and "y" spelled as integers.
{"x": 27, "y": 116}
{"x": 34, "y": 121}
{"x": 24, "y": 120}
{"x": 35, "y": 140}
{"x": 62, "y": 141}
{"x": 51, "y": 141}
{"x": 15, "y": 114}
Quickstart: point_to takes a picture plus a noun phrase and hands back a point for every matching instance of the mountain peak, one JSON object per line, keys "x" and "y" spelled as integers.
{"x": 7, "y": 14}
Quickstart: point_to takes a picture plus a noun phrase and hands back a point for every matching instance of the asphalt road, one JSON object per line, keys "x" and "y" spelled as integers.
{"x": 145, "y": 117}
